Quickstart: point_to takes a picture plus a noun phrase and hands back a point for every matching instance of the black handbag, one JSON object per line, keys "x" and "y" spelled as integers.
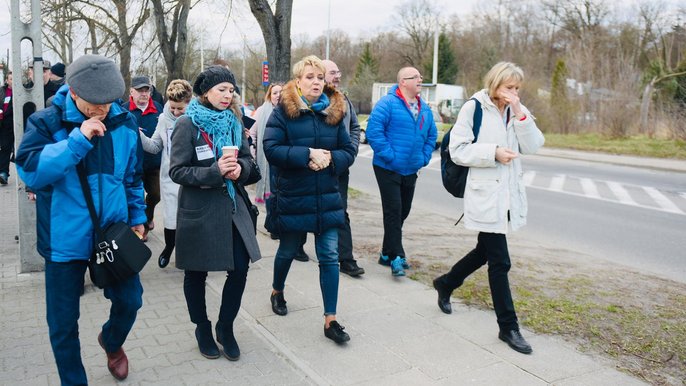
{"x": 119, "y": 253}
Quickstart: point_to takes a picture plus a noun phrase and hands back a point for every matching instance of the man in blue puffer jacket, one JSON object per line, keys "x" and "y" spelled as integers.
{"x": 84, "y": 126}
{"x": 402, "y": 133}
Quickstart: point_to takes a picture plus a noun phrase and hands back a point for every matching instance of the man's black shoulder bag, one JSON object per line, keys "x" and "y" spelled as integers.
{"x": 119, "y": 253}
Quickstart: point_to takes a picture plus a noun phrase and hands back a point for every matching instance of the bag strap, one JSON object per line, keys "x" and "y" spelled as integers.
{"x": 85, "y": 187}
{"x": 478, "y": 116}
{"x": 476, "y": 127}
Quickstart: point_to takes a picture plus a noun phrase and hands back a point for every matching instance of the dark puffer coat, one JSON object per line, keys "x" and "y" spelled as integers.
{"x": 305, "y": 200}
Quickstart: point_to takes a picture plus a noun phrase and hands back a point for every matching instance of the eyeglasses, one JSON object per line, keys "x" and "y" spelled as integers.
{"x": 334, "y": 73}
{"x": 414, "y": 77}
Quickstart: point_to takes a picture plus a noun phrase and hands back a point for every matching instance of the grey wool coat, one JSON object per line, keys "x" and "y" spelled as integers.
{"x": 204, "y": 235}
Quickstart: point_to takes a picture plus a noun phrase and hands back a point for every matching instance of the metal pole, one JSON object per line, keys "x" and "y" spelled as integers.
{"x": 434, "y": 78}
{"x": 21, "y": 96}
{"x": 328, "y": 32}
{"x": 202, "y": 54}
{"x": 243, "y": 96}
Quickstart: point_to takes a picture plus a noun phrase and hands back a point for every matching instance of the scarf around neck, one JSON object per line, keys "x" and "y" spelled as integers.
{"x": 224, "y": 129}
{"x": 319, "y": 105}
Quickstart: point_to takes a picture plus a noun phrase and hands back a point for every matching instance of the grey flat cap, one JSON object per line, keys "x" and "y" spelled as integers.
{"x": 96, "y": 79}
{"x": 140, "y": 81}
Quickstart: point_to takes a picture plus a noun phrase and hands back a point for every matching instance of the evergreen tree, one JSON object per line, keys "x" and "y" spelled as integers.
{"x": 563, "y": 111}
{"x": 366, "y": 73}
{"x": 447, "y": 65}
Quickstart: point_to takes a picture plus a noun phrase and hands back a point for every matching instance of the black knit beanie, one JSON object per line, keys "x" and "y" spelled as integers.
{"x": 212, "y": 76}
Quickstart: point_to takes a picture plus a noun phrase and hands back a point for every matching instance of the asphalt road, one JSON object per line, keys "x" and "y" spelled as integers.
{"x": 631, "y": 216}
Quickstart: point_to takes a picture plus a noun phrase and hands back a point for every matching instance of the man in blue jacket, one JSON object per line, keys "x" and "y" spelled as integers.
{"x": 402, "y": 133}
{"x": 83, "y": 127}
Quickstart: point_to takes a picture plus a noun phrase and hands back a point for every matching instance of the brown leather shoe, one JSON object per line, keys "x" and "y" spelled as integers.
{"x": 117, "y": 362}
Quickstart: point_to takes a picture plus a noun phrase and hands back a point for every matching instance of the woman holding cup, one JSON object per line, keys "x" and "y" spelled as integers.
{"x": 211, "y": 161}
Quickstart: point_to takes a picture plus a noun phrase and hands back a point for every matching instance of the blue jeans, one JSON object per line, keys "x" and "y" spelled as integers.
{"x": 63, "y": 285}
{"x": 326, "y": 246}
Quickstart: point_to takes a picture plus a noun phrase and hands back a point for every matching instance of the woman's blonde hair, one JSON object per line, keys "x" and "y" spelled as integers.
{"x": 500, "y": 73}
{"x": 312, "y": 60}
{"x": 179, "y": 90}
{"x": 268, "y": 94}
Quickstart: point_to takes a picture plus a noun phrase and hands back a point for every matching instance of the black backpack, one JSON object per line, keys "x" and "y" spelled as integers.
{"x": 454, "y": 176}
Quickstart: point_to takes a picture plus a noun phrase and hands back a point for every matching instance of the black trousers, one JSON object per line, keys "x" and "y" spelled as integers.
{"x": 151, "y": 184}
{"x": 194, "y": 287}
{"x": 345, "y": 236}
{"x": 397, "y": 192}
{"x": 491, "y": 248}
{"x": 6, "y": 145}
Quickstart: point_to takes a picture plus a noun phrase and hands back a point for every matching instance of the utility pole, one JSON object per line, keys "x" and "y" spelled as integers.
{"x": 434, "y": 78}
{"x": 29, "y": 258}
{"x": 328, "y": 32}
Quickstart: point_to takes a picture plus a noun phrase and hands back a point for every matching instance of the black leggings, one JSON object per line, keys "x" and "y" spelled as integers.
{"x": 194, "y": 287}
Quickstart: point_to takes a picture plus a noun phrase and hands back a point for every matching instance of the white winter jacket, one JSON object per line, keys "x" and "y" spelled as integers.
{"x": 492, "y": 188}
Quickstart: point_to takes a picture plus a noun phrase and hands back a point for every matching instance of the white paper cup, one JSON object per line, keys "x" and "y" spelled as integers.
{"x": 230, "y": 150}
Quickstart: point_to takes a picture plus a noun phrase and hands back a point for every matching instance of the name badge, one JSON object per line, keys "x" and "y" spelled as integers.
{"x": 7, "y": 100}
{"x": 203, "y": 152}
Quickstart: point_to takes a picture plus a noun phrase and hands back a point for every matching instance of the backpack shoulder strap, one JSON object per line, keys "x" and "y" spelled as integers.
{"x": 478, "y": 115}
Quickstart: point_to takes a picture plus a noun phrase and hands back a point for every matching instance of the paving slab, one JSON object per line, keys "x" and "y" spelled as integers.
{"x": 399, "y": 337}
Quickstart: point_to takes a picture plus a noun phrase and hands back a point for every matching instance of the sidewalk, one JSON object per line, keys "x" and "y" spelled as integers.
{"x": 399, "y": 336}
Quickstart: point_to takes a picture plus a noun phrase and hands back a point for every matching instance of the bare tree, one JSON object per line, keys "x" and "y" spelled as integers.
{"x": 174, "y": 44}
{"x": 111, "y": 18}
{"x": 418, "y": 21}
{"x": 58, "y": 28}
{"x": 276, "y": 29}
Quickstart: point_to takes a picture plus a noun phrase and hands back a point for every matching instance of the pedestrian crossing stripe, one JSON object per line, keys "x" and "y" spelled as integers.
{"x": 664, "y": 201}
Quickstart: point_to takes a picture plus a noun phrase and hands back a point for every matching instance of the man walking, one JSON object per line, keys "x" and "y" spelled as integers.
{"x": 83, "y": 127}
{"x": 146, "y": 111}
{"x": 348, "y": 264}
{"x": 402, "y": 133}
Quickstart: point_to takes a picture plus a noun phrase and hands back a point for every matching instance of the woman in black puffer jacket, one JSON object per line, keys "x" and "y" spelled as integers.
{"x": 308, "y": 147}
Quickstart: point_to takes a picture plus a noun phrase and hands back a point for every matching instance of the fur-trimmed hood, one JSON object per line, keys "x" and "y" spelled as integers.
{"x": 293, "y": 106}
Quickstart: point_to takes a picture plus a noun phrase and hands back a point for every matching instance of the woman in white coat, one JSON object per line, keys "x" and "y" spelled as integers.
{"x": 271, "y": 99}
{"x": 179, "y": 94}
{"x": 494, "y": 197}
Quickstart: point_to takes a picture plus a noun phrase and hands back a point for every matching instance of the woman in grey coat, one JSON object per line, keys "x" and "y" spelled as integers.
{"x": 215, "y": 229}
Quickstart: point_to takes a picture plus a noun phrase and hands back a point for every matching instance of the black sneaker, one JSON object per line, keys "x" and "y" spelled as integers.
{"x": 335, "y": 332}
{"x": 4, "y": 177}
{"x": 350, "y": 267}
{"x": 516, "y": 341}
{"x": 278, "y": 304}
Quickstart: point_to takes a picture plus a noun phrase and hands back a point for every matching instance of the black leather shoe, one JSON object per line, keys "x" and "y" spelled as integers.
{"x": 335, "y": 332}
{"x": 350, "y": 267}
{"x": 514, "y": 339}
{"x": 203, "y": 333}
{"x": 302, "y": 256}
{"x": 278, "y": 304}
{"x": 443, "y": 297}
{"x": 164, "y": 258}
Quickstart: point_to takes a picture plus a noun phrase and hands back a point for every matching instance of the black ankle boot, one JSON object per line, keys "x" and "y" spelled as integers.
{"x": 169, "y": 243}
{"x": 203, "y": 333}
{"x": 225, "y": 337}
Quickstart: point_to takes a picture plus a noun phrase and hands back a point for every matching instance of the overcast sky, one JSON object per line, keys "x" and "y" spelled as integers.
{"x": 359, "y": 18}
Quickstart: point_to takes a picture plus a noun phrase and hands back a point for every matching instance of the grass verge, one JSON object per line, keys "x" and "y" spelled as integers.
{"x": 644, "y": 333}
{"x": 637, "y": 145}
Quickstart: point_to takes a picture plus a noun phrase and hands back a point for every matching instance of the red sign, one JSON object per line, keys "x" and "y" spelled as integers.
{"x": 265, "y": 73}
